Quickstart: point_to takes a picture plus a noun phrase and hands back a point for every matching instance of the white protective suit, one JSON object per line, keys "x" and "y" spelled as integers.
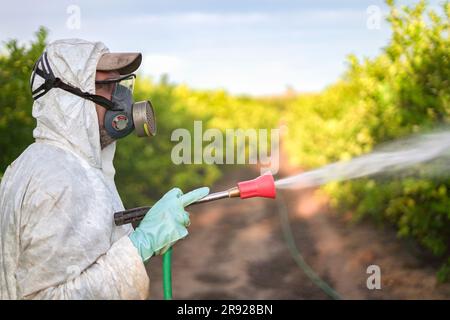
{"x": 57, "y": 199}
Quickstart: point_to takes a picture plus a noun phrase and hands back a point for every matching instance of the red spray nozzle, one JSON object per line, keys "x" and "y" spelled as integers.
{"x": 262, "y": 186}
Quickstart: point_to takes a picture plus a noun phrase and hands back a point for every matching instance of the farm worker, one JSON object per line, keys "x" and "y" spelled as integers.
{"x": 57, "y": 199}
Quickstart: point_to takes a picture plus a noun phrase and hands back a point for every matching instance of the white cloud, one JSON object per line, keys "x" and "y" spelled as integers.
{"x": 198, "y": 18}
{"x": 158, "y": 64}
{"x": 315, "y": 17}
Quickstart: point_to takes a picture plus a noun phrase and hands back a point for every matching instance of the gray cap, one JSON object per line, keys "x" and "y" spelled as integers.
{"x": 124, "y": 62}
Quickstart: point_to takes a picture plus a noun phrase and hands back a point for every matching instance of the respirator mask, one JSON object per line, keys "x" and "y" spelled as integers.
{"x": 126, "y": 116}
{"x": 122, "y": 115}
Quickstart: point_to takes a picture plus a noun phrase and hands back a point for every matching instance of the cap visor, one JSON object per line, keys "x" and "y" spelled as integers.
{"x": 123, "y": 62}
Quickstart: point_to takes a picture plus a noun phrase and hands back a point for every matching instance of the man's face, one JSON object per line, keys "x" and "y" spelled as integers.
{"x": 104, "y": 90}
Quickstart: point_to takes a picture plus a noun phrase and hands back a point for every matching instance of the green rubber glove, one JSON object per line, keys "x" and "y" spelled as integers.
{"x": 165, "y": 223}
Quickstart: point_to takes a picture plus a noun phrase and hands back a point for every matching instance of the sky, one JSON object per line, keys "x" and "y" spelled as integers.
{"x": 256, "y": 47}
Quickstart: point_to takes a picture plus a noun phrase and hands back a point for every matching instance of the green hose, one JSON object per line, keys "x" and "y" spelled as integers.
{"x": 297, "y": 256}
{"x": 167, "y": 274}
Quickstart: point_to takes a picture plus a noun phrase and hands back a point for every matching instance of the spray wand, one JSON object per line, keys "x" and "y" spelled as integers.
{"x": 262, "y": 186}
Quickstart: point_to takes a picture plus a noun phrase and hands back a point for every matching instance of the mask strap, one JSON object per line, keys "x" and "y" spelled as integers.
{"x": 44, "y": 72}
{"x": 52, "y": 82}
{"x": 108, "y": 104}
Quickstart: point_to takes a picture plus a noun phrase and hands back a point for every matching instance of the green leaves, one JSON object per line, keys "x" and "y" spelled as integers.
{"x": 403, "y": 90}
{"x": 16, "y": 123}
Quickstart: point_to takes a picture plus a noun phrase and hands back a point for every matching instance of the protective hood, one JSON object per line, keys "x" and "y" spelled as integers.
{"x": 64, "y": 119}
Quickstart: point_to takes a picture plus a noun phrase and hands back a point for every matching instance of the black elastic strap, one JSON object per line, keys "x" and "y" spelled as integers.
{"x": 51, "y": 82}
{"x": 108, "y": 104}
{"x": 46, "y": 73}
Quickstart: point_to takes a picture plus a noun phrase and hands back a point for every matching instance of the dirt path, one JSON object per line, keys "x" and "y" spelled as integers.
{"x": 236, "y": 250}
